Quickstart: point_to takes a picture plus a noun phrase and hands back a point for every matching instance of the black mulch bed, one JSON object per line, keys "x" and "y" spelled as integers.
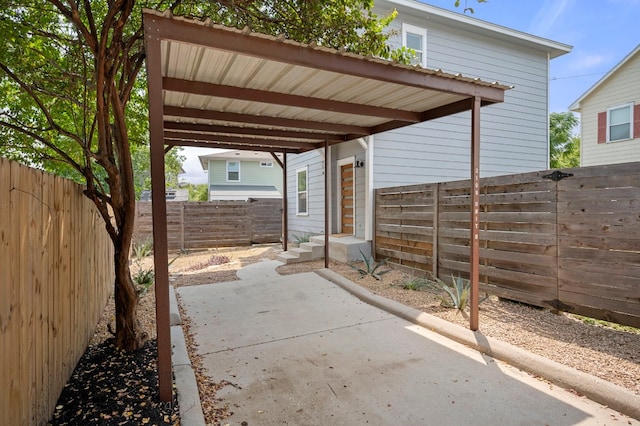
{"x": 111, "y": 387}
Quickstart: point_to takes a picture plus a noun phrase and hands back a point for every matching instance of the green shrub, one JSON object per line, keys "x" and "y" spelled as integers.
{"x": 142, "y": 248}
{"x": 144, "y": 279}
{"x": 303, "y": 237}
{"x": 416, "y": 284}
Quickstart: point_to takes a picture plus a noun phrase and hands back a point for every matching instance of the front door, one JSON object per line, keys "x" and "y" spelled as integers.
{"x": 347, "y": 199}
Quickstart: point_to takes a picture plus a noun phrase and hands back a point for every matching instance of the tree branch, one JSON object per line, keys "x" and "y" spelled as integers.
{"x": 64, "y": 156}
{"x": 26, "y": 88}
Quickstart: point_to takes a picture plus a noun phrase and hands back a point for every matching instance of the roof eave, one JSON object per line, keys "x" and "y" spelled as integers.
{"x": 553, "y": 48}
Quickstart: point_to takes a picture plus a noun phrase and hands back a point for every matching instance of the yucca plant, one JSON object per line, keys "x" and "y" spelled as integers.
{"x": 371, "y": 267}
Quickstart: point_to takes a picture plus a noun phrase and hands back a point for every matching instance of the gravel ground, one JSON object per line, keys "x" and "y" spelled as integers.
{"x": 605, "y": 352}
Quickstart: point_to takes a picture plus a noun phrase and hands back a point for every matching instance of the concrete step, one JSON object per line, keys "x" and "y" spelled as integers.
{"x": 345, "y": 249}
{"x": 303, "y": 254}
{"x": 287, "y": 258}
{"x": 317, "y": 250}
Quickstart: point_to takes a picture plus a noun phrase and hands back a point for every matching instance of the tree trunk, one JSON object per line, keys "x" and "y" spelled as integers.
{"x": 130, "y": 335}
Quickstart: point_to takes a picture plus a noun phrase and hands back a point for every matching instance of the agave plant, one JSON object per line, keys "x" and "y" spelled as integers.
{"x": 371, "y": 267}
{"x": 458, "y": 292}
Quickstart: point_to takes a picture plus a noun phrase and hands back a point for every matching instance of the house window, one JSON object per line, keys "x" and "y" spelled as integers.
{"x": 233, "y": 171}
{"x": 619, "y": 121}
{"x": 415, "y": 38}
{"x": 302, "y": 199}
{"x": 266, "y": 164}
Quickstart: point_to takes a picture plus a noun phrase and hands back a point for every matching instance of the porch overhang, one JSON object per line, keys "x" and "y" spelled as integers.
{"x": 220, "y": 87}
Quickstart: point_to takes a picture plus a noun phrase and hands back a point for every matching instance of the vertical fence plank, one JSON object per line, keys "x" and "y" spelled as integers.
{"x": 48, "y": 247}
{"x": 6, "y": 308}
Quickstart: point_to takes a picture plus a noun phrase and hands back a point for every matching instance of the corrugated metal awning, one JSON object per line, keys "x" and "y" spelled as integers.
{"x": 227, "y": 88}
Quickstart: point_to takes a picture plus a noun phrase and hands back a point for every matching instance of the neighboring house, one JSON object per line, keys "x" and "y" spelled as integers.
{"x": 240, "y": 175}
{"x": 610, "y": 115}
{"x": 171, "y": 195}
{"x": 514, "y": 134}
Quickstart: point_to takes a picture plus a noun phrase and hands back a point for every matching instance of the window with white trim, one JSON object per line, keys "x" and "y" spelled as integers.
{"x": 266, "y": 164}
{"x": 620, "y": 123}
{"x": 415, "y": 38}
{"x": 302, "y": 198}
{"x": 233, "y": 171}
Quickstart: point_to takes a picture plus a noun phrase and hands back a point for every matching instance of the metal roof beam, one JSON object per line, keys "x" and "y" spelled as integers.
{"x": 263, "y": 96}
{"x": 239, "y": 140}
{"x": 254, "y": 131}
{"x": 265, "y": 120}
{"x": 222, "y": 145}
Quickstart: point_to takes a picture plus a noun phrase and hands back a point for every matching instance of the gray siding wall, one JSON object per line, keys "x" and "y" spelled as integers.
{"x": 313, "y": 223}
{"x": 513, "y": 134}
{"x": 250, "y": 174}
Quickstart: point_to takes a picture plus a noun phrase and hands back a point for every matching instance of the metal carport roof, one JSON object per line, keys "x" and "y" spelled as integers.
{"x": 220, "y": 87}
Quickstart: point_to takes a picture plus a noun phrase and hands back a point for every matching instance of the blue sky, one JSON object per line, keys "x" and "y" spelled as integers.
{"x": 602, "y": 33}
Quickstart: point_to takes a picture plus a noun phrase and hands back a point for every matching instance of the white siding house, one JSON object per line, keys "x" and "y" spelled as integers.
{"x": 610, "y": 115}
{"x": 514, "y": 134}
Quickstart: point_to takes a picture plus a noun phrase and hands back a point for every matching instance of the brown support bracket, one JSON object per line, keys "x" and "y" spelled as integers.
{"x": 168, "y": 148}
{"x": 275, "y": 157}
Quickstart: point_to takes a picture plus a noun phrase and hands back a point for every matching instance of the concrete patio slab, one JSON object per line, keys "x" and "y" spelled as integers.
{"x": 302, "y": 351}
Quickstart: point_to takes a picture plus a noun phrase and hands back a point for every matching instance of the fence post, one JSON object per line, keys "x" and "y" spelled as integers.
{"x": 182, "y": 226}
{"x": 436, "y": 221}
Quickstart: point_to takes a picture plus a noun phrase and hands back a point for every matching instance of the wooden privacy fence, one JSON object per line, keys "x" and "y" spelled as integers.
{"x": 199, "y": 225}
{"x": 571, "y": 244}
{"x": 57, "y": 274}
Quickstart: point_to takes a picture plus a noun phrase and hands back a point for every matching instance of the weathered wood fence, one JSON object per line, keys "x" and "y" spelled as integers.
{"x": 571, "y": 245}
{"x": 57, "y": 274}
{"x": 198, "y": 225}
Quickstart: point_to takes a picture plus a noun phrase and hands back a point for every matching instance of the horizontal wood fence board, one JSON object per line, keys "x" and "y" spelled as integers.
{"x": 535, "y": 233}
{"x": 578, "y": 183}
{"x": 513, "y": 237}
{"x": 199, "y": 225}
{"x": 607, "y": 257}
{"x": 602, "y": 243}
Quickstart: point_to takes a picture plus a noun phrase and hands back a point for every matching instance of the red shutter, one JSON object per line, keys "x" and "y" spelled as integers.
{"x": 636, "y": 121}
{"x": 602, "y": 127}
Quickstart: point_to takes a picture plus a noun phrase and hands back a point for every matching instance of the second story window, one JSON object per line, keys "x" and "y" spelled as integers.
{"x": 233, "y": 171}
{"x": 619, "y": 121}
{"x": 415, "y": 38}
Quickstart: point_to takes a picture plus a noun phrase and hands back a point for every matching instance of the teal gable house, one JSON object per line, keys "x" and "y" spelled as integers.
{"x": 240, "y": 175}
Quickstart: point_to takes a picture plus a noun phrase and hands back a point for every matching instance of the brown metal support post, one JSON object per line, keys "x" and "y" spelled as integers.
{"x": 285, "y": 218}
{"x": 285, "y": 204}
{"x": 326, "y": 203}
{"x": 475, "y": 213}
{"x": 159, "y": 213}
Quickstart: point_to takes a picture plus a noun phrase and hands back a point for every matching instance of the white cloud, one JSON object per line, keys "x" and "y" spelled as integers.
{"x": 192, "y": 167}
{"x": 547, "y": 16}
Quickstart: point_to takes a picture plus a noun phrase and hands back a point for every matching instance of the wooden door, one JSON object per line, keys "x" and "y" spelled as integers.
{"x": 347, "y": 199}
